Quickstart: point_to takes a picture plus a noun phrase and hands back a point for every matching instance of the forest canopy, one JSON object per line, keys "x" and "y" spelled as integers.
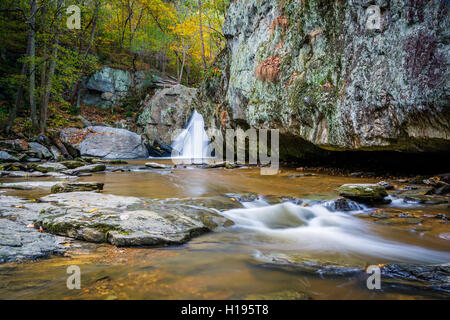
{"x": 43, "y": 62}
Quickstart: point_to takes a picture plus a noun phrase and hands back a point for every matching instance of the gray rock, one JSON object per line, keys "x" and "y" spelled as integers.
{"x": 125, "y": 221}
{"x": 86, "y": 169}
{"x": 19, "y": 242}
{"x": 386, "y": 185}
{"x": 166, "y": 111}
{"x": 40, "y": 150}
{"x": 365, "y": 193}
{"x": 342, "y": 204}
{"x": 281, "y": 295}
{"x": 57, "y": 155}
{"x": 434, "y": 278}
{"x": 72, "y": 164}
{"x": 6, "y": 157}
{"x": 308, "y": 265}
{"x": 50, "y": 167}
{"x": 16, "y": 145}
{"x": 77, "y": 187}
{"x": 357, "y": 78}
{"x": 109, "y": 80}
{"x": 156, "y": 165}
{"x": 105, "y": 142}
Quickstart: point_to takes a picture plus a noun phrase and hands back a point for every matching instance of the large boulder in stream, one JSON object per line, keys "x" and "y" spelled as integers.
{"x": 126, "y": 221}
{"x": 104, "y": 142}
{"x": 365, "y": 193}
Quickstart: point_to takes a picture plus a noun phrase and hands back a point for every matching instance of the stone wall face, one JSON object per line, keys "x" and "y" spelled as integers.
{"x": 317, "y": 72}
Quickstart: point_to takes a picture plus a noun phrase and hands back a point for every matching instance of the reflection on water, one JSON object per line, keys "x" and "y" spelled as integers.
{"x": 222, "y": 264}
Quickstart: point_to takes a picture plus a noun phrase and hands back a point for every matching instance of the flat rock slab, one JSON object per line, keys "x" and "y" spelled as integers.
{"x": 40, "y": 150}
{"x": 156, "y": 165}
{"x": 50, "y": 167}
{"x": 77, "y": 186}
{"x": 72, "y": 164}
{"x": 6, "y": 157}
{"x": 86, "y": 169}
{"x": 365, "y": 193}
{"x": 434, "y": 279}
{"x": 19, "y": 242}
{"x": 126, "y": 221}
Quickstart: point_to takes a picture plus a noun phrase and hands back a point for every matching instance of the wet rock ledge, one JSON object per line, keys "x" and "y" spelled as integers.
{"x": 31, "y": 230}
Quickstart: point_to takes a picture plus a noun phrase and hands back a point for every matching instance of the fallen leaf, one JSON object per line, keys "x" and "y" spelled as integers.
{"x": 93, "y": 210}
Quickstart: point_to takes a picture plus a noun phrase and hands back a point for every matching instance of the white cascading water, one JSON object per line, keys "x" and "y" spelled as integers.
{"x": 193, "y": 143}
{"x": 316, "y": 229}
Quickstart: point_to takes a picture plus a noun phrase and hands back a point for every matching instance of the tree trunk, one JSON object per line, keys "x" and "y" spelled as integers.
{"x": 32, "y": 69}
{"x": 201, "y": 32}
{"x": 51, "y": 73}
{"x": 18, "y": 103}
{"x": 74, "y": 98}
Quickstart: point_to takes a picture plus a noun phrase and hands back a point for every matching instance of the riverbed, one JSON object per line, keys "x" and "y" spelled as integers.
{"x": 226, "y": 263}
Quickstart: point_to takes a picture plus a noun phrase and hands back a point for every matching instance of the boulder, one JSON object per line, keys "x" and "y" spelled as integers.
{"x": 434, "y": 278}
{"x": 105, "y": 142}
{"x": 19, "y": 241}
{"x": 57, "y": 155}
{"x": 337, "y": 92}
{"x": 16, "y": 145}
{"x": 40, "y": 150}
{"x": 109, "y": 80}
{"x": 166, "y": 111}
{"x": 342, "y": 204}
{"x": 77, "y": 187}
{"x": 365, "y": 193}
{"x": 6, "y": 157}
{"x": 156, "y": 165}
{"x": 125, "y": 221}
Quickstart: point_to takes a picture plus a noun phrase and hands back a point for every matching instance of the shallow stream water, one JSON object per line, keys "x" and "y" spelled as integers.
{"x": 225, "y": 264}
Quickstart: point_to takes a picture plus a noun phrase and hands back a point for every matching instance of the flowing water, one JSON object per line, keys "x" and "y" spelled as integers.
{"x": 192, "y": 143}
{"x": 229, "y": 263}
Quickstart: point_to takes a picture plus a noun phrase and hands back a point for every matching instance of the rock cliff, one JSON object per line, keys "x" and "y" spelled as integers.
{"x": 335, "y": 75}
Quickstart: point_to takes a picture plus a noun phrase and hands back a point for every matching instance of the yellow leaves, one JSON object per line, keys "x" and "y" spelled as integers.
{"x": 93, "y": 210}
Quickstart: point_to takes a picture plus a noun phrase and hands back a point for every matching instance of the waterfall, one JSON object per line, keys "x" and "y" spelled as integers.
{"x": 193, "y": 142}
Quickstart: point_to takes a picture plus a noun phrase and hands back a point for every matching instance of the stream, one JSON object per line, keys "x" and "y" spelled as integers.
{"x": 229, "y": 262}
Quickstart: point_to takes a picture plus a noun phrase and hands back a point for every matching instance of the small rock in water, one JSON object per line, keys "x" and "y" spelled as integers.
{"x": 342, "y": 204}
{"x": 76, "y": 187}
{"x": 445, "y": 236}
{"x": 356, "y": 174}
{"x": 86, "y": 169}
{"x": 50, "y": 167}
{"x": 365, "y": 193}
{"x": 386, "y": 185}
{"x": 155, "y": 165}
